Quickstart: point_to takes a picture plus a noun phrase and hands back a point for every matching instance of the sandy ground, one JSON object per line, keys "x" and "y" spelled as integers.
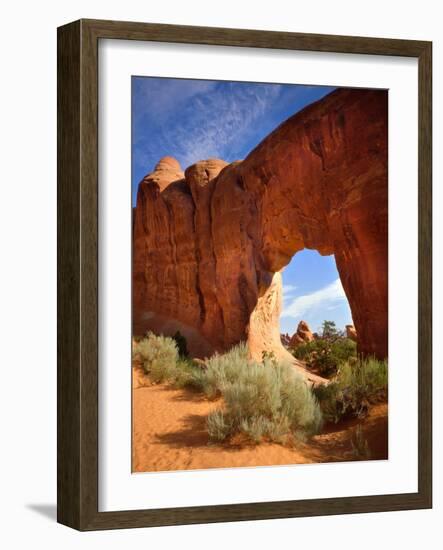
{"x": 169, "y": 433}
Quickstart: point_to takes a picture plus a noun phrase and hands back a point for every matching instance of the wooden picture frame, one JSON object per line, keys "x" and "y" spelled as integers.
{"x": 77, "y": 457}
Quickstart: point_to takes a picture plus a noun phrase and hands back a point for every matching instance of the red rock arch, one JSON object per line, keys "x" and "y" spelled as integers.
{"x": 208, "y": 243}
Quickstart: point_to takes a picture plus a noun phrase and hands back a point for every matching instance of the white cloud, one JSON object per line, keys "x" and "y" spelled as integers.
{"x": 206, "y": 121}
{"x": 288, "y": 294}
{"x": 212, "y": 122}
{"x": 289, "y": 289}
{"x": 328, "y": 297}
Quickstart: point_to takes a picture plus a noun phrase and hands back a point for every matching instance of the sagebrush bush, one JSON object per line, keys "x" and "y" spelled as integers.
{"x": 368, "y": 375}
{"x": 186, "y": 375}
{"x": 222, "y": 369}
{"x": 355, "y": 387}
{"x": 219, "y": 426}
{"x": 257, "y": 427}
{"x": 261, "y": 400}
{"x": 159, "y": 356}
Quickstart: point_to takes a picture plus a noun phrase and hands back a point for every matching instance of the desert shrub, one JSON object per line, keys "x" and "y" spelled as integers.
{"x": 186, "y": 375}
{"x": 255, "y": 427}
{"x": 219, "y": 426}
{"x": 264, "y": 401}
{"x": 360, "y": 446}
{"x": 258, "y": 427}
{"x": 326, "y": 355}
{"x": 269, "y": 357}
{"x": 355, "y": 387}
{"x": 182, "y": 344}
{"x": 158, "y": 355}
{"x": 223, "y": 369}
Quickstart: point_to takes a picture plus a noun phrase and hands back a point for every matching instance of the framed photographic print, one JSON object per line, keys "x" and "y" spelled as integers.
{"x": 244, "y": 275}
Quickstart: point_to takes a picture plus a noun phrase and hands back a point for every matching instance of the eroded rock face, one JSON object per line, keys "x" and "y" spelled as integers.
{"x": 302, "y": 335}
{"x": 209, "y": 243}
{"x": 351, "y": 332}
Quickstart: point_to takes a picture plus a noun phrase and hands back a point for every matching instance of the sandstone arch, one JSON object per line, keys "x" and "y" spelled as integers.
{"x": 209, "y": 243}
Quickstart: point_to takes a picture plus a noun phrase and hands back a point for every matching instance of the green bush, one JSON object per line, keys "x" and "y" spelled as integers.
{"x": 356, "y": 386}
{"x": 326, "y": 355}
{"x": 266, "y": 400}
{"x": 159, "y": 356}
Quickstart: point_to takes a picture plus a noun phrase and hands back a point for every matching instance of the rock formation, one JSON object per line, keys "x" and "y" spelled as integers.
{"x": 209, "y": 244}
{"x": 351, "y": 332}
{"x": 301, "y": 336}
{"x": 264, "y": 329}
{"x": 285, "y": 339}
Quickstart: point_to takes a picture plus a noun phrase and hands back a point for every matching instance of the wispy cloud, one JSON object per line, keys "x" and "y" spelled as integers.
{"x": 325, "y": 298}
{"x": 288, "y": 293}
{"x": 195, "y": 120}
{"x": 289, "y": 289}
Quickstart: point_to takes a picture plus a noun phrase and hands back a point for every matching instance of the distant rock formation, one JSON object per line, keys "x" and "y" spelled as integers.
{"x": 285, "y": 339}
{"x": 301, "y": 336}
{"x": 351, "y": 332}
{"x": 209, "y": 243}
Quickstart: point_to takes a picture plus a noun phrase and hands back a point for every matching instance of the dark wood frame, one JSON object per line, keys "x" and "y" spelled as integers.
{"x": 77, "y": 455}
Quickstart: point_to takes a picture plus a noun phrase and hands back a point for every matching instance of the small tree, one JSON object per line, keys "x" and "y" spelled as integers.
{"x": 330, "y": 331}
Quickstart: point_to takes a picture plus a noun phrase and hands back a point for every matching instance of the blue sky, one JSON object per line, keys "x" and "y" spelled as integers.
{"x": 193, "y": 120}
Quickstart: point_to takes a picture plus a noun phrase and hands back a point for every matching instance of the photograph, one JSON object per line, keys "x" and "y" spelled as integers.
{"x": 259, "y": 274}
{"x": 223, "y": 243}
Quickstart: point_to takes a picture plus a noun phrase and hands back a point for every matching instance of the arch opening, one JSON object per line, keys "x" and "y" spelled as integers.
{"x": 294, "y": 304}
{"x": 313, "y": 293}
